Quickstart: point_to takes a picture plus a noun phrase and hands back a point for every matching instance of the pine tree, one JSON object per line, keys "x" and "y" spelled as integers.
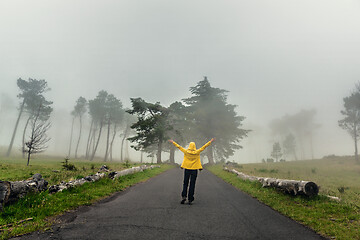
{"x": 211, "y": 116}
{"x": 151, "y": 126}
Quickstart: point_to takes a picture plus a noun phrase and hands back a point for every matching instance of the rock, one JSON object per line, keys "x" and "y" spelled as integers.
{"x": 104, "y": 168}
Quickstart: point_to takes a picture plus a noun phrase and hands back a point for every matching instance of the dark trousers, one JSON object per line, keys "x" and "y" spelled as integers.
{"x": 189, "y": 175}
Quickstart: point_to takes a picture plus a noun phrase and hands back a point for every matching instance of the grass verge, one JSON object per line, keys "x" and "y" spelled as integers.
{"x": 328, "y": 218}
{"x": 51, "y": 168}
{"x": 41, "y": 206}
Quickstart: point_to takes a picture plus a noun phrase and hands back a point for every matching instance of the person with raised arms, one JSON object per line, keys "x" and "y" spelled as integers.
{"x": 191, "y": 164}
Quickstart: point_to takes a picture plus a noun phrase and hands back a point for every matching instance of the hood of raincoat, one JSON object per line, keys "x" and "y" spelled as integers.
{"x": 192, "y": 146}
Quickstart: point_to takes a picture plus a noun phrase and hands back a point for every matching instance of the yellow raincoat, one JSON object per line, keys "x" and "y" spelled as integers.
{"x": 192, "y": 155}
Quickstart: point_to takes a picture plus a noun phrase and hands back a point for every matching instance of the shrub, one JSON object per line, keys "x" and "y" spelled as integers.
{"x": 234, "y": 164}
{"x": 127, "y": 163}
{"x": 342, "y": 189}
{"x": 68, "y": 166}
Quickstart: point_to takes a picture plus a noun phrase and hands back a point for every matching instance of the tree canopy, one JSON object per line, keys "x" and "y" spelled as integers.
{"x": 209, "y": 115}
{"x": 151, "y": 127}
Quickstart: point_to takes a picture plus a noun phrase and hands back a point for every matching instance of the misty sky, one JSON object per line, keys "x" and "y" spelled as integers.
{"x": 275, "y": 57}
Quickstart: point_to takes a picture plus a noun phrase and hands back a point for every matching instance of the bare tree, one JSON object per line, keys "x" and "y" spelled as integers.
{"x": 28, "y": 89}
{"x": 38, "y": 138}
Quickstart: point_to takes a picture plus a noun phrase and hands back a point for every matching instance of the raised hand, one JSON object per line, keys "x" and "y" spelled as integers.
{"x": 171, "y": 141}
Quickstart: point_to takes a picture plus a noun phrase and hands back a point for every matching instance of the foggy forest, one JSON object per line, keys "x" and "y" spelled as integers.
{"x": 289, "y": 89}
{"x": 112, "y": 111}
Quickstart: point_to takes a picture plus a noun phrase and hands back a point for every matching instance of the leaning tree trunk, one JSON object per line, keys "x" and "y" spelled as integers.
{"x": 97, "y": 143}
{"x": 210, "y": 155}
{"x": 78, "y": 141}
{"x": 122, "y": 143}
{"x": 12, "y": 191}
{"x": 355, "y": 141}
{"x": 127, "y": 155}
{"x": 93, "y": 141}
{"x": 158, "y": 154}
{"x": 15, "y": 129}
{"x": 23, "y": 137}
{"x": 28, "y": 157}
{"x": 172, "y": 154}
{"x": 107, "y": 141}
{"x": 112, "y": 142}
{"x": 71, "y": 135}
{"x": 88, "y": 141}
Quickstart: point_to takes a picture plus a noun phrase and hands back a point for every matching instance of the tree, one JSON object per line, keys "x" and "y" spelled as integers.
{"x": 113, "y": 116}
{"x": 31, "y": 108}
{"x": 28, "y": 89}
{"x": 71, "y": 135}
{"x": 118, "y": 118}
{"x": 129, "y": 120}
{"x": 211, "y": 116}
{"x": 80, "y": 109}
{"x": 289, "y": 146}
{"x": 351, "y": 120}
{"x": 97, "y": 111}
{"x": 38, "y": 138}
{"x": 276, "y": 152}
{"x": 151, "y": 126}
{"x": 177, "y": 118}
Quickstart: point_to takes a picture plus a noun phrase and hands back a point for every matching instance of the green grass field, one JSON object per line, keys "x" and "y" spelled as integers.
{"x": 339, "y": 176}
{"x": 15, "y": 169}
{"x": 43, "y": 207}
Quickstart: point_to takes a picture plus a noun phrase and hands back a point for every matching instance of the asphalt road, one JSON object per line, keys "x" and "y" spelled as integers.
{"x": 152, "y": 210}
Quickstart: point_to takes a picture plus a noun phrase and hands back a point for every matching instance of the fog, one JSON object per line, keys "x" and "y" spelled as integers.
{"x": 276, "y": 58}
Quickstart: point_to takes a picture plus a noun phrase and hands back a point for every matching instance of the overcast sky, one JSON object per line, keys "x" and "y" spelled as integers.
{"x": 275, "y": 57}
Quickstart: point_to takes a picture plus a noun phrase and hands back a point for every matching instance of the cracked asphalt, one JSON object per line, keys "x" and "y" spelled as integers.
{"x": 152, "y": 210}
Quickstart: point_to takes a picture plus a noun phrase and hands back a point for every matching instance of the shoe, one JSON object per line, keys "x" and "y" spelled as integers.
{"x": 190, "y": 202}
{"x": 183, "y": 201}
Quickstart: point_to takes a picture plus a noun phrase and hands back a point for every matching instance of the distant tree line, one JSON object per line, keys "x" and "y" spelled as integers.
{"x": 147, "y": 126}
{"x": 295, "y": 133}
